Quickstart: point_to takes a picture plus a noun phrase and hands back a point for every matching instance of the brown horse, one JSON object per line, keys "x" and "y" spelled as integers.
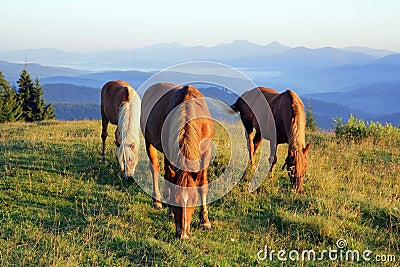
{"x": 175, "y": 120}
{"x": 120, "y": 105}
{"x": 290, "y": 123}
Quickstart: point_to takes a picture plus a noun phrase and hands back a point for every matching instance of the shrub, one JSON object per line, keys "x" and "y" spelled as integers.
{"x": 356, "y": 130}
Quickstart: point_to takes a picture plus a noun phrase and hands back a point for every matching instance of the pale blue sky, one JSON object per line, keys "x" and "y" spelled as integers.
{"x": 93, "y": 25}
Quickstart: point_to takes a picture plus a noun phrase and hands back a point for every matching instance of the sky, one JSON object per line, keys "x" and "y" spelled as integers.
{"x": 100, "y": 25}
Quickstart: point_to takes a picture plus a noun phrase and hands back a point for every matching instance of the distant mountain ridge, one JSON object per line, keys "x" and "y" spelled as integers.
{"x": 239, "y": 53}
{"x": 12, "y": 70}
{"x": 339, "y": 81}
{"x": 375, "y": 98}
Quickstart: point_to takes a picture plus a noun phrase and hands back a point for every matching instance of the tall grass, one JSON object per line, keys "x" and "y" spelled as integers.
{"x": 61, "y": 207}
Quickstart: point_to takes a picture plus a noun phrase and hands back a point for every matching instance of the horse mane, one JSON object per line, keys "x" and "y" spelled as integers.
{"x": 298, "y": 122}
{"x": 186, "y": 129}
{"x": 128, "y": 125}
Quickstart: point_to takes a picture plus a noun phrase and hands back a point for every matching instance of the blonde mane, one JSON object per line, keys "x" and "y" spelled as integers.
{"x": 128, "y": 125}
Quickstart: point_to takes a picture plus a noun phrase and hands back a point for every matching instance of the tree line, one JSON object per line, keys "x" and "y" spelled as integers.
{"x": 25, "y": 103}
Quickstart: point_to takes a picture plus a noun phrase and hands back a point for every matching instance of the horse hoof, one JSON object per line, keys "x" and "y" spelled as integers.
{"x": 205, "y": 225}
{"x": 157, "y": 205}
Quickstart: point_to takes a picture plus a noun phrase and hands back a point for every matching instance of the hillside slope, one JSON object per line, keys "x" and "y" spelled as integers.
{"x": 60, "y": 206}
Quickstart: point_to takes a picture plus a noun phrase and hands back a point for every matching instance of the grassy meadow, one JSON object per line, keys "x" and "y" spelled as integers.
{"x": 61, "y": 207}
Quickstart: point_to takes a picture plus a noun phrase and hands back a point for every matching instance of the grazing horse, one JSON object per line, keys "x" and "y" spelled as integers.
{"x": 175, "y": 120}
{"x": 120, "y": 105}
{"x": 290, "y": 123}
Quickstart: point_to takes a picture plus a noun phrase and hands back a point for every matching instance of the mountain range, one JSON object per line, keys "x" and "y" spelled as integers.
{"x": 337, "y": 81}
{"x": 239, "y": 53}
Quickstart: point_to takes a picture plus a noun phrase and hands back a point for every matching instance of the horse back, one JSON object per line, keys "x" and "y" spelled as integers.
{"x": 155, "y": 104}
{"x": 248, "y": 103}
{"x": 113, "y": 94}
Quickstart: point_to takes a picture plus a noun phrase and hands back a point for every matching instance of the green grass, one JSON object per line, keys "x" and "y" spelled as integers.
{"x": 61, "y": 207}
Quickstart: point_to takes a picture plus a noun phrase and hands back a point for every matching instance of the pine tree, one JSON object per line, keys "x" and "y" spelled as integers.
{"x": 33, "y": 103}
{"x": 38, "y": 104}
{"x": 311, "y": 123}
{"x": 25, "y": 87}
{"x": 10, "y": 107}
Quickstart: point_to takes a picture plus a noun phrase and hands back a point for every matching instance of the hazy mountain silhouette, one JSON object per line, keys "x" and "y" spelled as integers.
{"x": 357, "y": 80}
{"x": 71, "y": 93}
{"x": 239, "y": 53}
{"x": 11, "y": 71}
{"x": 379, "y": 99}
{"x": 376, "y": 53}
{"x": 302, "y": 57}
{"x": 390, "y": 60}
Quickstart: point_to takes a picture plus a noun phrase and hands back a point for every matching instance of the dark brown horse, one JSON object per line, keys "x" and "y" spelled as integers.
{"x": 290, "y": 123}
{"x": 175, "y": 120}
{"x": 120, "y": 105}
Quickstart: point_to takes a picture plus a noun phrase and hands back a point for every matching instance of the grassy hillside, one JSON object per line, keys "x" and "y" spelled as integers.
{"x": 61, "y": 207}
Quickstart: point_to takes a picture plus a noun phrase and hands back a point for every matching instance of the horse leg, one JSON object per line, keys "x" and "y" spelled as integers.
{"x": 203, "y": 183}
{"x": 167, "y": 188}
{"x": 250, "y": 146}
{"x": 256, "y": 142}
{"x": 273, "y": 160}
{"x": 155, "y": 169}
{"x": 104, "y": 133}
{"x": 203, "y": 190}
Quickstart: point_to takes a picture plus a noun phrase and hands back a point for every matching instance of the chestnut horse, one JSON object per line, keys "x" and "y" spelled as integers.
{"x": 290, "y": 123}
{"x": 120, "y": 105}
{"x": 175, "y": 120}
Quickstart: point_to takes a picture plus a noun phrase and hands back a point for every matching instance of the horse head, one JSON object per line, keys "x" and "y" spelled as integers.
{"x": 128, "y": 156}
{"x": 184, "y": 198}
{"x": 296, "y": 165}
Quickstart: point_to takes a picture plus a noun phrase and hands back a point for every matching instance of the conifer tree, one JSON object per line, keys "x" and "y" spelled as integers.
{"x": 25, "y": 86}
{"x": 311, "y": 123}
{"x": 38, "y": 103}
{"x": 10, "y": 107}
{"x": 33, "y": 103}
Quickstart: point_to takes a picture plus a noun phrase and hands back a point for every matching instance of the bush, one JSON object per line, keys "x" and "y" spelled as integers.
{"x": 375, "y": 132}
{"x": 356, "y": 130}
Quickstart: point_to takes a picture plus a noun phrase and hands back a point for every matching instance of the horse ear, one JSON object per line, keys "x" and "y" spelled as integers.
{"x": 305, "y": 150}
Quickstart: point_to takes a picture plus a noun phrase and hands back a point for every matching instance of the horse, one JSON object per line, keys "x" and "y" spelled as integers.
{"x": 175, "y": 120}
{"x": 120, "y": 105}
{"x": 290, "y": 124}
